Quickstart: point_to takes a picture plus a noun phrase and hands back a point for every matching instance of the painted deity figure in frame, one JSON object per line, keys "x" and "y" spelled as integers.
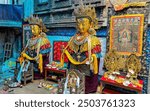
{"x": 126, "y": 33}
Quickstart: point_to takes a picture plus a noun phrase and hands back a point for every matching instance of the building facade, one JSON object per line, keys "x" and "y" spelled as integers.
{"x": 59, "y": 13}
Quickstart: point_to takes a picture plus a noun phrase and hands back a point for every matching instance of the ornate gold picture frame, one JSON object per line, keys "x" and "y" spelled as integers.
{"x": 126, "y": 33}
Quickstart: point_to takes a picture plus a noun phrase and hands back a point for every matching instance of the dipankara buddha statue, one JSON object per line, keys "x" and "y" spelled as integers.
{"x": 83, "y": 49}
{"x": 38, "y": 45}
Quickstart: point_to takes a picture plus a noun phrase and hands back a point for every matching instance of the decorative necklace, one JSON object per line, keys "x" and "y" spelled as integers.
{"x": 79, "y": 40}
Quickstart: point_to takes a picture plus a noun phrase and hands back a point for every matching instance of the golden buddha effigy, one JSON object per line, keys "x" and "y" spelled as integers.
{"x": 83, "y": 49}
{"x": 38, "y": 45}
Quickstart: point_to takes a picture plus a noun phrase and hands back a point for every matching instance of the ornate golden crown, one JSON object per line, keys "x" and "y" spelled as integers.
{"x": 35, "y": 20}
{"x": 86, "y": 11}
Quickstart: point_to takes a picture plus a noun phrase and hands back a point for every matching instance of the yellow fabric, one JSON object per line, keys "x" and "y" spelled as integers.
{"x": 94, "y": 63}
{"x": 89, "y": 48}
{"x": 40, "y": 60}
{"x": 40, "y": 63}
{"x": 27, "y": 57}
{"x": 21, "y": 59}
{"x": 134, "y": 4}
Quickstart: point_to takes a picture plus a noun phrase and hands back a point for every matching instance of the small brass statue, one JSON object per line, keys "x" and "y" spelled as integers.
{"x": 113, "y": 63}
{"x": 133, "y": 68}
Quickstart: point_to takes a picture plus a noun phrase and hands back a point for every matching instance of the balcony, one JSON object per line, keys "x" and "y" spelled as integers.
{"x": 11, "y": 15}
{"x": 58, "y": 13}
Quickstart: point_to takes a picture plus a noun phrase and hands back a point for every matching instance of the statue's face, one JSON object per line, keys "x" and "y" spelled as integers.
{"x": 83, "y": 25}
{"x": 35, "y": 29}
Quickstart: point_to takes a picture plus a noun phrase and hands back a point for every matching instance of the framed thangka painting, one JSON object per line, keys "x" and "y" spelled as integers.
{"x": 26, "y": 34}
{"x": 126, "y": 33}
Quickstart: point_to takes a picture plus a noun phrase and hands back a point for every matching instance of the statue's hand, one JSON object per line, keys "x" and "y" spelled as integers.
{"x": 21, "y": 56}
{"x": 89, "y": 61}
{"x": 36, "y": 58}
{"x": 59, "y": 65}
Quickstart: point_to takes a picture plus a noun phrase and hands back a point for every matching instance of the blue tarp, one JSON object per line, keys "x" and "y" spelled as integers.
{"x": 11, "y": 15}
